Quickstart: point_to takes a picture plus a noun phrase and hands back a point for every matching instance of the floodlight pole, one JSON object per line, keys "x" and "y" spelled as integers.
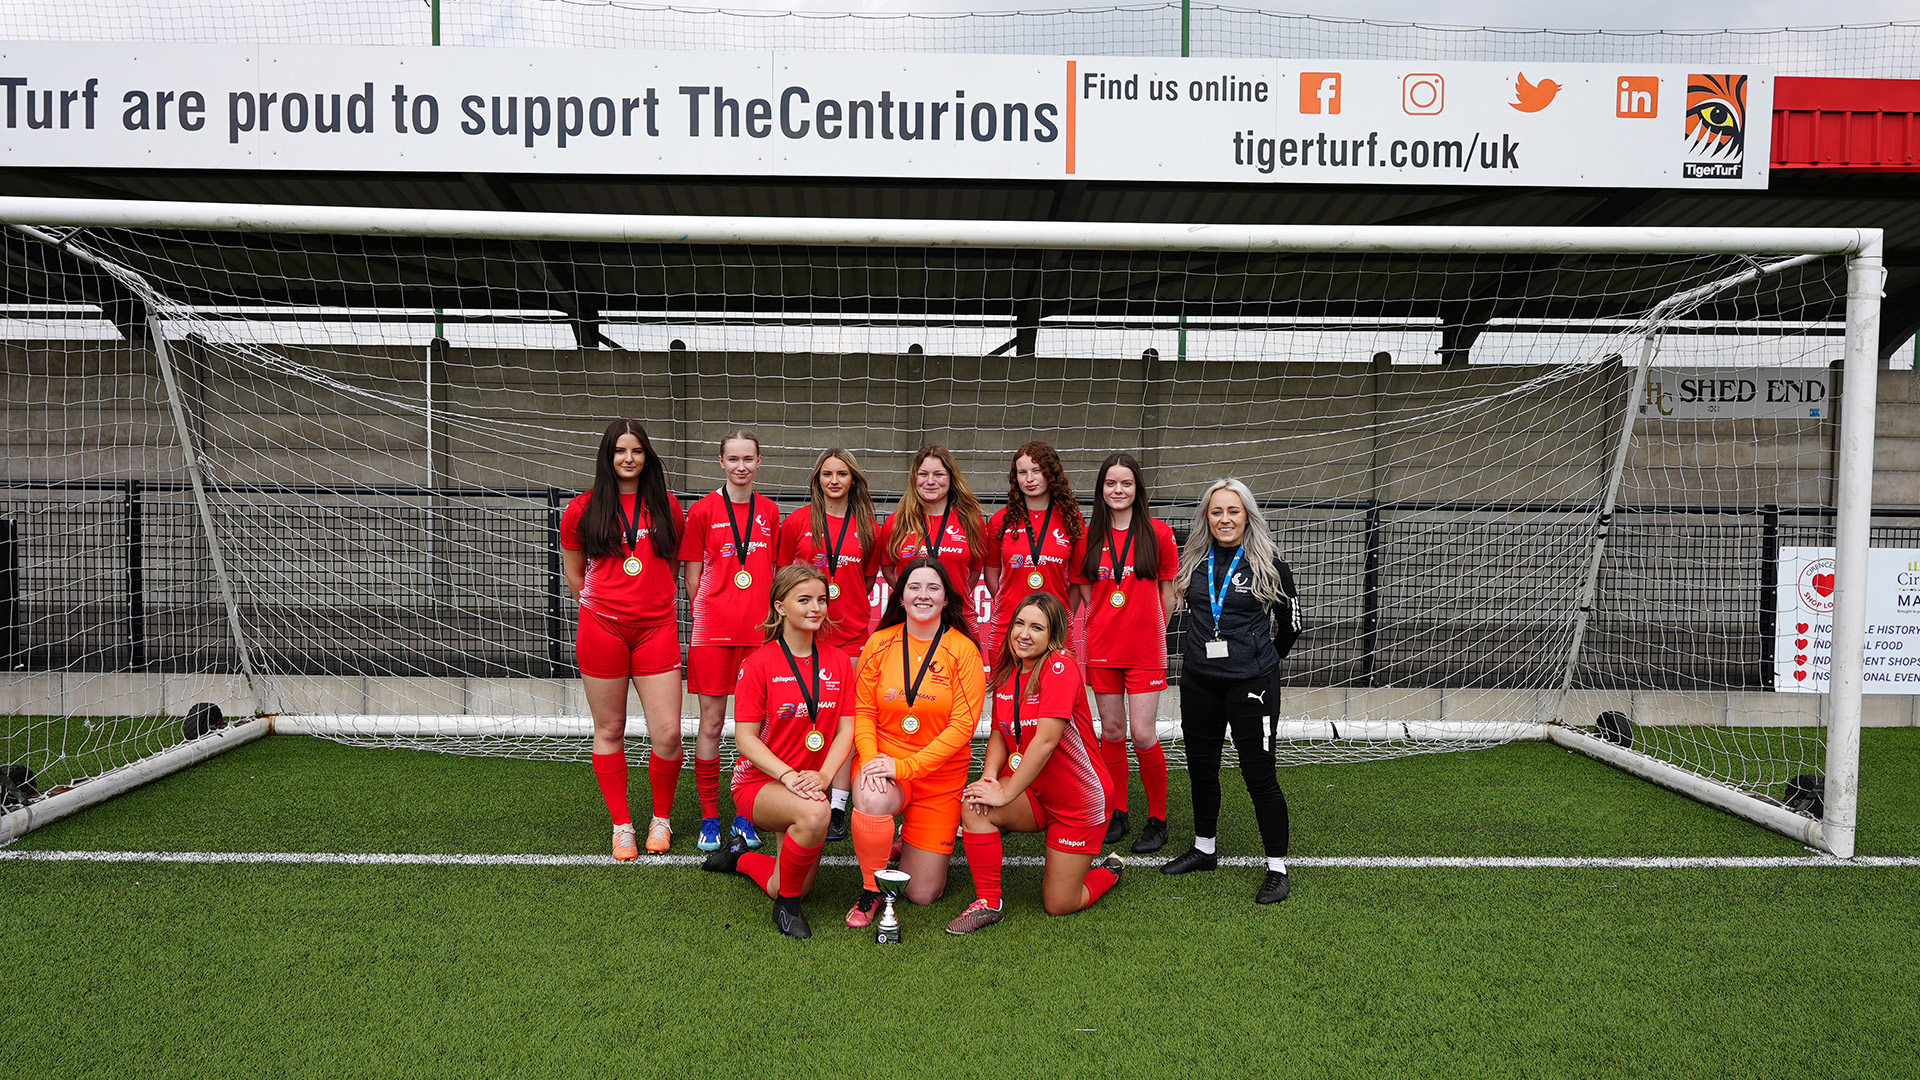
{"x": 1853, "y": 524}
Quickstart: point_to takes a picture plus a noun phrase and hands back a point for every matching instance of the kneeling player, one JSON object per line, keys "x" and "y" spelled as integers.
{"x": 1042, "y": 772}
{"x": 793, "y": 736}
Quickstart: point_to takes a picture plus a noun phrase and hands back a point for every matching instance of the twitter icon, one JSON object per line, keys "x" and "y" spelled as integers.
{"x": 1532, "y": 97}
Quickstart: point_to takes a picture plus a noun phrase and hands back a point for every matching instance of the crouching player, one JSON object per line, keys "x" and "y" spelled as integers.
{"x": 793, "y": 735}
{"x": 1043, "y": 772}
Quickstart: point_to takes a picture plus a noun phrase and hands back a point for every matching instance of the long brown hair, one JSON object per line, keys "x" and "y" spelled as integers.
{"x": 785, "y": 580}
{"x": 859, "y": 504}
{"x": 1059, "y": 491}
{"x": 600, "y": 523}
{"x": 912, "y": 515}
{"x": 1004, "y": 662}
{"x": 953, "y": 615}
{"x": 1146, "y": 550}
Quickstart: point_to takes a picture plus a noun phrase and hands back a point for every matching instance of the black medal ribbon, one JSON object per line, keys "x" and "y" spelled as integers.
{"x": 1018, "y": 696}
{"x": 733, "y": 526}
{"x": 940, "y": 534}
{"x": 812, "y": 701}
{"x": 1119, "y": 557}
{"x": 629, "y": 530}
{"x": 926, "y": 662}
{"x": 1035, "y": 543}
{"x": 833, "y": 552}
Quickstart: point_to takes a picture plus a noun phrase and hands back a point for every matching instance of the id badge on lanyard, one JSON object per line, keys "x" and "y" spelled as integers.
{"x": 1217, "y": 648}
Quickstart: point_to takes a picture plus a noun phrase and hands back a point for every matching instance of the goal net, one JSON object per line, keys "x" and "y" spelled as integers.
{"x": 308, "y": 464}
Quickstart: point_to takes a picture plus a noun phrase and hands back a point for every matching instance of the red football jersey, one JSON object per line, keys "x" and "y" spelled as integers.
{"x": 852, "y": 610}
{"x": 724, "y": 613}
{"x": 1013, "y": 554}
{"x": 1069, "y": 784}
{"x": 766, "y": 692}
{"x": 643, "y": 599}
{"x": 956, "y": 554}
{"x": 1133, "y": 633}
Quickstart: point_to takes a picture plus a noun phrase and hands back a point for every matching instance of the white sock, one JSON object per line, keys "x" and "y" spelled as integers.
{"x": 839, "y": 799}
{"x": 1203, "y": 844}
{"x": 1276, "y": 866}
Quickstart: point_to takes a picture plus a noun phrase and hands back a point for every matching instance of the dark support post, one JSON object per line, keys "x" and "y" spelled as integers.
{"x": 1769, "y": 589}
{"x": 136, "y": 589}
{"x": 10, "y": 657}
{"x": 556, "y": 585}
{"x": 1370, "y": 598}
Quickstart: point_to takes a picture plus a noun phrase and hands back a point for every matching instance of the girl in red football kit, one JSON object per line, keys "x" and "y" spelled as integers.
{"x": 835, "y": 532}
{"x": 1035, "y": 542}
{"x": 794, "y": 726}
{"x": 728, "y": 550}
{"x": 620, "y": 541}
{"x": 939, "y": 516}
{"x": 1042, "y": 772}
{"x": 1126, "y": 579}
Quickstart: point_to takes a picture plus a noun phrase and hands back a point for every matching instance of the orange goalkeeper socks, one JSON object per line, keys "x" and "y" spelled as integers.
{"x": 872, "y": 844}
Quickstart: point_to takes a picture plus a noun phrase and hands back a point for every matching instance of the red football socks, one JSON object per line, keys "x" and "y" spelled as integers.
{"x": 610, "y": 770}
{"x": 1153, "y": 777}
{"x": 796, "y": 862}
{"x": 706, "y": 780}
{"x": 663, "y": 774}
{"x": 1099, "y": 880}
{"x": 758, "y": 867}
{"x": 872, "y": 843}
{"x": 1115, "y": 754}
{"x": 984, "y": 859}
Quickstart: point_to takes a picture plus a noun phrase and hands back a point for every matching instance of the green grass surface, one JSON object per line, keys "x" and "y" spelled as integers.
{"x": 222, "y": 970}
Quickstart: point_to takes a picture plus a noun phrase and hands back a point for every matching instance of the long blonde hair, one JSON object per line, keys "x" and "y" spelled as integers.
{"x": 1262, "y": 553}
{"x": 785, "y": 580}
{"x": 913, "y": 513}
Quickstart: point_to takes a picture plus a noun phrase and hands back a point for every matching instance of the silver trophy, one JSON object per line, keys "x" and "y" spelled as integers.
{"x": 892, "y": 883}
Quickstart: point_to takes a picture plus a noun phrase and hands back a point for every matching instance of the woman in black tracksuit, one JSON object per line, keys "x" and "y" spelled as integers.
{"x": 1243, "y": 614}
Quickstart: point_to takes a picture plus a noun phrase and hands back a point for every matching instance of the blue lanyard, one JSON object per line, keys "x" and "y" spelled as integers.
{"x": 1219, "y": 599}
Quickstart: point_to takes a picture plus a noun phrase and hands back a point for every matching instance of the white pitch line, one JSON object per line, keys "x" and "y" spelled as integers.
{"x": 1360, "y": 862}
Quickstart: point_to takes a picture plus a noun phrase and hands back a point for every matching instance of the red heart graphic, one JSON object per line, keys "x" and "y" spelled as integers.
{"x": 1823, "y": 584}
{"x": 1801, "y": 659}
{"x": 1800, "y": 628}
{"x": 1799, "y": 643}
{"x": 1800, "y": 675}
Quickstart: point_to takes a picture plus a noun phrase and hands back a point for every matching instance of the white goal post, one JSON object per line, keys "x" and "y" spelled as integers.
{"x": 61, "y": 223}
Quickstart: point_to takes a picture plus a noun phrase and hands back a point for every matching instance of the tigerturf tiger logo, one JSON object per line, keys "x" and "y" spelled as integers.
{"x": 1716, "y": 127}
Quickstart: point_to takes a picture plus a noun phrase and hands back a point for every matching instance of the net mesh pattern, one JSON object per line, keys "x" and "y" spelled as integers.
{"x": 388, "y": 427}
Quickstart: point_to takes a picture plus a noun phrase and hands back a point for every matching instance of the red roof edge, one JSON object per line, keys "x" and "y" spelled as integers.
{"x": 1859, "y": 125}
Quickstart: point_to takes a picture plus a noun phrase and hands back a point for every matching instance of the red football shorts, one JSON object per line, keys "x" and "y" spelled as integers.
{"x": 611, "y": 650}
{"x": 1066, "y": 836}
{"x": 745, "y": 794}
{"x": 1133, "y": 680}
{"x": 714, "y": 669}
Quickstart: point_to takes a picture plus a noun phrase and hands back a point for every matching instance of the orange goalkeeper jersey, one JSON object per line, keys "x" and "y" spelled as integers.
{"x": 937, "y": 729}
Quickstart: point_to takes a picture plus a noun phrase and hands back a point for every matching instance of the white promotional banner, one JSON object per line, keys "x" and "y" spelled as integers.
{"x": 379, "y": 109}
{"x": 1803, "y": 625}
{"x": 1737, "y": 394}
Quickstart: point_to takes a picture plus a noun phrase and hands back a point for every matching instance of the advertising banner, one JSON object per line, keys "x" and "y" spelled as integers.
{"x": 412, "y": 109}
{"x": 1737, "y": 394}
{"x": 1803, "y": 625}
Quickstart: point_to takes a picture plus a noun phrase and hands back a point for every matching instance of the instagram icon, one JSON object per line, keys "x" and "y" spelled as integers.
{"x": 1423, "y": 94}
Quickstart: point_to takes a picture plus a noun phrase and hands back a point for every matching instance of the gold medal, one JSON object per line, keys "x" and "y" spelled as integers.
{"x": 1034, "y": 580}
{"x": 815, "y": 740}
{"x": 910, "y": 725}
{"x": 1117, "y": 600}
{"x": 1014, "y": 763}
{"x": 631, "y": 566}
{"x": 743, "y": 580}
{"x": 833, "y": 591}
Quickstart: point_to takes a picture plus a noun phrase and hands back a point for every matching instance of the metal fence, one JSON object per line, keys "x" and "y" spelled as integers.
{"x": 413, "y": 582}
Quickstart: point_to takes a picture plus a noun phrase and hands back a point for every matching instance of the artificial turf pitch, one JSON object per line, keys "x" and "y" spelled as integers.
{"x": 603, "y": 970}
